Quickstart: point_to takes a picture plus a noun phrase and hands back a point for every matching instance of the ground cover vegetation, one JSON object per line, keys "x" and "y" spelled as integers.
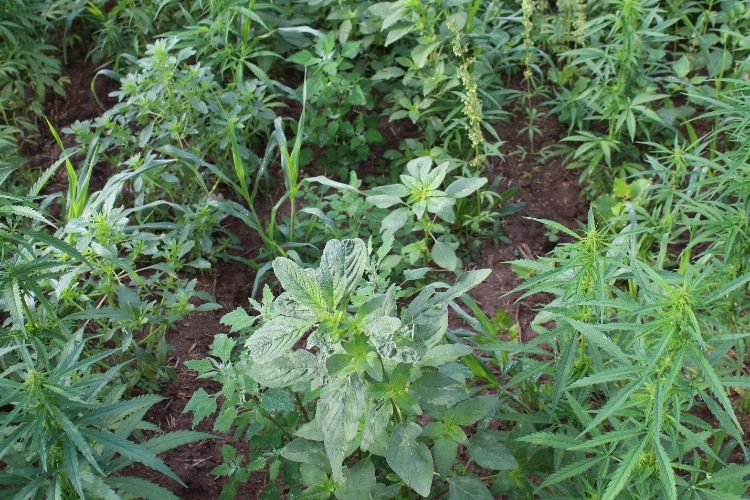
{"x": 354, "y": 163}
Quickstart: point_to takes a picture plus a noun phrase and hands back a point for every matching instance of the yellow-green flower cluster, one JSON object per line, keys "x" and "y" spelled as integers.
{"x": 527, "y": 7}
{"x": 472, "y": 105}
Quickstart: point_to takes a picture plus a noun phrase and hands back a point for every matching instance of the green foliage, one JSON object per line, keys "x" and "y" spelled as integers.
{"x": 365, "y": 380}
{"x": 319, "y": 123}
{"x": 66, "y": 428}
{"x": 636, "y": 348}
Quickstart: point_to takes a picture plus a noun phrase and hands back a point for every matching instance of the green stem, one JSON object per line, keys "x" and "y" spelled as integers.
{"x": 301, "y": 407}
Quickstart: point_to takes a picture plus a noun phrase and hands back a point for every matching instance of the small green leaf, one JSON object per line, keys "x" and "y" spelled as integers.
{"x": 444, "y": 256}
{"x": 464, "y": 186}
{"x": 238, "y": 320}
{"x": 222, "y": 347}
{"x": 201, "y": 404}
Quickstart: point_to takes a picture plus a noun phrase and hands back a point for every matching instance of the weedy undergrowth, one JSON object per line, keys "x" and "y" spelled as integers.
{"x": 67, "y": 429}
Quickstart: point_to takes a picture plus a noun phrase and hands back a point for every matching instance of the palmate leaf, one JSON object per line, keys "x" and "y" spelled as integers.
{"x": 623, "y": 472}
{"x": 74, "y": 434}
{"x": 666, "y": 472}
{"x": 614, "y": 404}
{"x": 140, "y": 488}
{"x": 565, "y": 366}
{"x": 275, "y": 337}
{"x": 71, "y": 466}
{"x": 609, "y": 437}
{"x": 170, "y": 440}
{"x": 14, "y": 302}
{"x": 596, "y": 336}
{"x": 132, "y": 451}
{"x": 606, "y": 376}
{"x": 542, "y": 438}
{"x": 714, "y": 384}
{"x": 568, "y": 471}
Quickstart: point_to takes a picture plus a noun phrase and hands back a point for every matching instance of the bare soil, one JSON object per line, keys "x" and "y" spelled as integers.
{"x": 230, "y": 283}
{"x": 548, "y": 191}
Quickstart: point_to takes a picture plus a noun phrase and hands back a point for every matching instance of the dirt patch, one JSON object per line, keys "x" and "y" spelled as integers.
{"x": 548, "y": 191}
{"x": 78, "y": 104}
{"x": 230, "y": 283}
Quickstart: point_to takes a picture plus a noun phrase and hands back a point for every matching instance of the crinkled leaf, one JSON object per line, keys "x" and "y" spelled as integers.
{"x": 276, "y": 337}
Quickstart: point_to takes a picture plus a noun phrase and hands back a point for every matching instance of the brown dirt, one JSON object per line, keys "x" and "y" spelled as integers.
{"x": 78, "y": 104}
{"x": 230, "y": 283}
{"x": 549, "y": 191}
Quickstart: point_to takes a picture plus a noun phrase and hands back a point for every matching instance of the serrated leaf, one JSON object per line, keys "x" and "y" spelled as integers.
{"x": 623, "y": 472}
{"x": 238, "y": 320}
{"x": 275, "y": 338}
{"x": 299, "y": 284}
{"x": 222, "y": 347}
{"x": 666, "y": 473}
{"x": 74, "y": 434}
{"x": 289, "y": 369}
{"x": 341, "y": 407}
{"x": 140, "y": 488}
{"x": 341, "y": 267}
{"x": 135, "y": 452}
{"x": 714, "y": 383}
{"x": 568, "y": 471}
{"x": 201, "y": 404}
{"x": 596, "y": 336}
{"x": 170, "y": 440}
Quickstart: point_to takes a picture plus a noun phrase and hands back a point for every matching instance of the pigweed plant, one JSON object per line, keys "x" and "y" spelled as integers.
{"x": 355, "y": 398}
